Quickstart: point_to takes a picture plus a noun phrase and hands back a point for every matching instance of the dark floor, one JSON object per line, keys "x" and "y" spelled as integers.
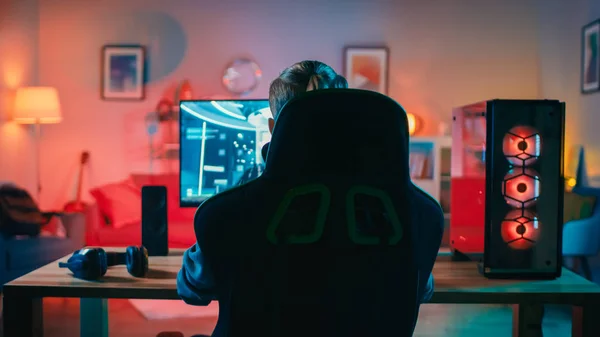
{"x": 61, "y": 319}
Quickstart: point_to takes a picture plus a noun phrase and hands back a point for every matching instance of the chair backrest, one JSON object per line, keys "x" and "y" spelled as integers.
{"x": 337, "y": 258}
{"x": 340, "y": 132}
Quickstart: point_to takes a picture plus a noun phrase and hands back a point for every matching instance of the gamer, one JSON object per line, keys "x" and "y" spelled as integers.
{"x": 195, "y": 281}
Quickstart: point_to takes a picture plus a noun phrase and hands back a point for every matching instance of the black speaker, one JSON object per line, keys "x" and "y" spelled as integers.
{"x": 155, "y": 235}
{"x": 524, "y": 189}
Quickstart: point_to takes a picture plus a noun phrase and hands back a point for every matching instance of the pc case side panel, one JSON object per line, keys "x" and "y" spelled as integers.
{"x": 468, "y": 179}
{"x": 489, "y": 187}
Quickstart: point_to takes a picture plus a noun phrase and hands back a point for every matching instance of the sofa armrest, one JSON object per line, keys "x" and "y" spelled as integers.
{"x": 75, "y": 225}
{"x": 2, "y": 260}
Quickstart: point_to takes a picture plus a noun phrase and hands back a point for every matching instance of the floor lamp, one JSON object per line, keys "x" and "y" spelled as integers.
{"x": 37, "y": 106}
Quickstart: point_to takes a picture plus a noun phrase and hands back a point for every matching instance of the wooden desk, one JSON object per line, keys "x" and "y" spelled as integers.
{"x": 461, "y": 283}
{"x": 22, "y": 302}
{"x": 456, "y": 283}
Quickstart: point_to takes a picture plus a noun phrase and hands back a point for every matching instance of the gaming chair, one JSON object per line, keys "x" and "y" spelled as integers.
{"x": 321, "y": 244}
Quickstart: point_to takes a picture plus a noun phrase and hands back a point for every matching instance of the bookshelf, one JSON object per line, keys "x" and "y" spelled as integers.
{"x": 430, "y": 168}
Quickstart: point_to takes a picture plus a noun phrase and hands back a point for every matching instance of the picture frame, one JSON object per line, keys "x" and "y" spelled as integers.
{"x": 123, "y": 72}
{"x": 367, "y": 68}
{"x": 590, "y": 57}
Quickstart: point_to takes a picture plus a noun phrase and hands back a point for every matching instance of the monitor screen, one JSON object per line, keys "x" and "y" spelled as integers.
{"x": 220, "y": 146}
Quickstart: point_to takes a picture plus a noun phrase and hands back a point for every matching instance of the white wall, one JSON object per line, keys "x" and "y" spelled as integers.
{"x": 19, "y": 55}
{"x": 560, "y": 23}
{"x": 443, "y": 54}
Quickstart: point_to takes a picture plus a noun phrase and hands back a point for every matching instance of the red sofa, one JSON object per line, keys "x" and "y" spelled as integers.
{"x": 114, "y": 220}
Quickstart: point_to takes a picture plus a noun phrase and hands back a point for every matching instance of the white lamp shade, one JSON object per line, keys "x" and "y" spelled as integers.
{"x": 37, "y": 105}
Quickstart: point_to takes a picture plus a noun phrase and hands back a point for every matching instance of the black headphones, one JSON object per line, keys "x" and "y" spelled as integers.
{"x": 92, "y": 263}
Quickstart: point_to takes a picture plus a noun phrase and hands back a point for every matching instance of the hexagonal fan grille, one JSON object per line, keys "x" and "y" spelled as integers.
{"x": 521, "y": 146}
{"x": 520, "y": 229}
{"x": 521, "y": 187}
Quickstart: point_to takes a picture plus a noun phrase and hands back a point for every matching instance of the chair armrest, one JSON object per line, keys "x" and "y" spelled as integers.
{"x": 48, "y": 216}
{"x": 2, "y": 249}
{"x": 582, "y": 237}
{"x": 3, "y": 260}
{"x": 589, "y": 192}
{"x": 52, "y": 213}
{"x": 75, "y": 225}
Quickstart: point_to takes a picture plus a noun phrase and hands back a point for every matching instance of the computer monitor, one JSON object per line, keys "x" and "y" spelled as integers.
{"x": 220, "y": 146}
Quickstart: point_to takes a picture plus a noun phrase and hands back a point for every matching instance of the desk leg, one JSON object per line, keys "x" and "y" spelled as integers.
{"x": 527, "y": 320}
{"x": 585, "y": 321}
{"x": 22, "y": 317}
{"x": 93, "y": 317}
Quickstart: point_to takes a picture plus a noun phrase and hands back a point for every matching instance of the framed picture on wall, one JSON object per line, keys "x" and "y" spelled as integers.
{"x": 123, "y": 69}
{"x": 590, "y": 58}
{"x": 367, "y": 68}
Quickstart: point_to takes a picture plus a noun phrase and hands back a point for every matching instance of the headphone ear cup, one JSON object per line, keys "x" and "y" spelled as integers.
{"x": 144, "y": 260}
{"x": 102, "y": 261}
{"x": 88, "y": 264}
{"x": 131, "y": 260}
{"x": 137, "y": 261}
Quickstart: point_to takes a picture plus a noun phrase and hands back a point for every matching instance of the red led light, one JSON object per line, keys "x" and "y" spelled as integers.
{"x": 522, "y": 146}
{"x": 520, "y": 229}
{"x": 521, "y": 188}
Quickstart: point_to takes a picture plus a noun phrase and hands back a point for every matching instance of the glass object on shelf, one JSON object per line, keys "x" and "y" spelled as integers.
{"x": 421, "y": 160}
{"x": 242, "y": 76}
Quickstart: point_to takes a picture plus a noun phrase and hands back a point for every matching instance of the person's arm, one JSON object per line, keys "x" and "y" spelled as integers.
{"x": 427, "y": 289}
{"x": 430, "y": 222}
{"x": 194, "y": 281}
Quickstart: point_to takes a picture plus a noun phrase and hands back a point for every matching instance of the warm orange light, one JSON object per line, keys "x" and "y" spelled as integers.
{"x": 12, "y": 74}
{"x": 37, "y": 105}
{"x": 412, "y": 123}
{"x": 571, "y": 182}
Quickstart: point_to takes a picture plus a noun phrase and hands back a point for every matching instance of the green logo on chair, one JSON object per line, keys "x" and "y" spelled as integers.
{"x": 323, "y": 209}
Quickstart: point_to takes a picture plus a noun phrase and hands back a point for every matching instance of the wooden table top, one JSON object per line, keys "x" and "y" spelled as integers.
{"x": 455, "y": 282}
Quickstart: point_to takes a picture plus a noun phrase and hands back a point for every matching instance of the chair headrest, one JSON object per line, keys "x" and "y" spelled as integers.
{"x": 340, "y": 132}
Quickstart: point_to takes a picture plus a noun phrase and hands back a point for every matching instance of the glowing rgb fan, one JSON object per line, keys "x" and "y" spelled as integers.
{"x": 522, "y": 146}
{"x": 520, "y": 229}
{"x": 521, "y": 187}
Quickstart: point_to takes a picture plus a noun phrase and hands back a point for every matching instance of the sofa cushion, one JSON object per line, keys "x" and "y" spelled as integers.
{"x": 181, "y": 235}
{"x": 120, "y": 204}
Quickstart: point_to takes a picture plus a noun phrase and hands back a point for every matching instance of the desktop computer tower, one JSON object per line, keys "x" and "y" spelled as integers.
{"x": 507, "y": 186}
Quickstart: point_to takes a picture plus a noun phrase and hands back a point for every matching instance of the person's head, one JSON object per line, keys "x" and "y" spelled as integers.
{"x": 299, "y": 78}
